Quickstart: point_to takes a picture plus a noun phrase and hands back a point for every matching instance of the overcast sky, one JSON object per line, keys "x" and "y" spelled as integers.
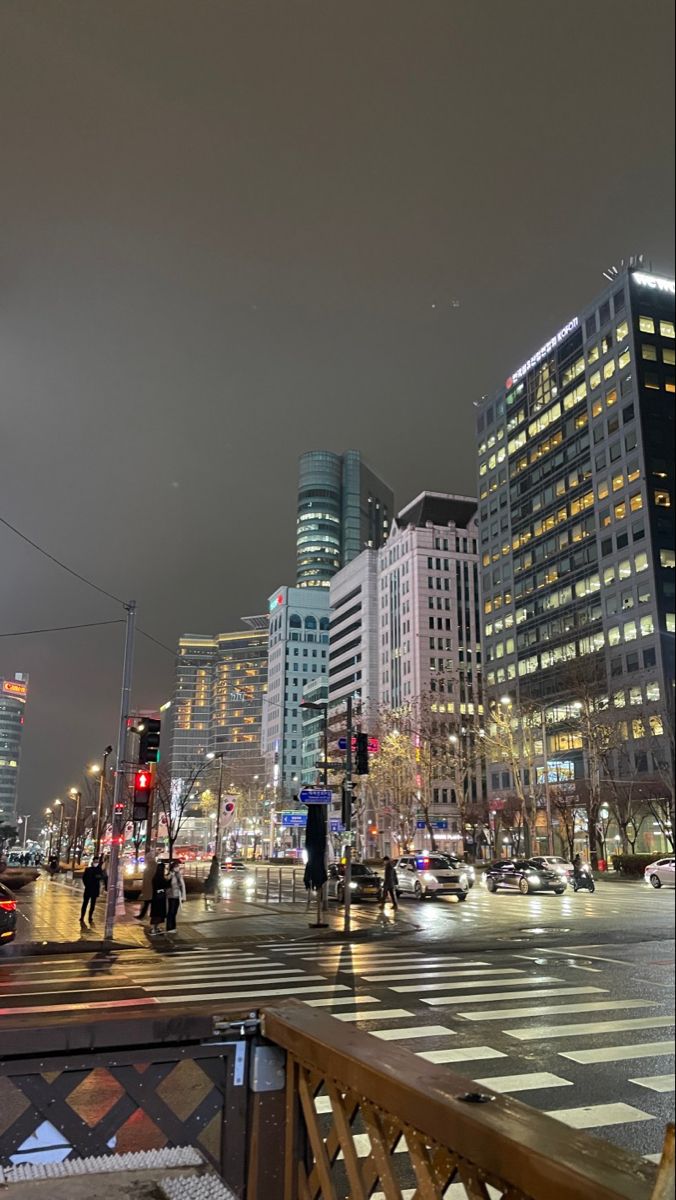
{"x": 233, "y": 231}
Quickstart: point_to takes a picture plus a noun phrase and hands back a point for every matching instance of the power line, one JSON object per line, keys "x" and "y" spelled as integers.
{"x": 59, "y": 628}
{"x": 64, "y": 567}
{"x": 157, "y": 642}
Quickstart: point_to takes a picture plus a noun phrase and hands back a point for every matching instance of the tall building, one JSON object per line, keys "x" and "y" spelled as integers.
{"x": 429, "y": 636}
{"x": 576, "y": 488}
{"x": 297, "y": 653}
{"x": 342, "y": 509}
{"x": 354, "y": 636}
{"x": 13, "y": 695}
{"x": 217, "y": 706}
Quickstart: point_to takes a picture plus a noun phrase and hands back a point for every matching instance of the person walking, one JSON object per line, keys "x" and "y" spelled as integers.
{"x": 92, "y": 878}
{"x": 158, "y": 902}
{"x": 147, "y": 885}
{"x": 212, "y": 883}
{"x": 389, "y": 883}
{"x": 175, "y": 894}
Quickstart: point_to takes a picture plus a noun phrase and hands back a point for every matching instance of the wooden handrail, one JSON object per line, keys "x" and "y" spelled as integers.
{"x": 502, "y": 1141}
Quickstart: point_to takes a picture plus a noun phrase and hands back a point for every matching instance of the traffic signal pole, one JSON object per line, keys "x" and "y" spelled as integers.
{"x": 118, "y": 789}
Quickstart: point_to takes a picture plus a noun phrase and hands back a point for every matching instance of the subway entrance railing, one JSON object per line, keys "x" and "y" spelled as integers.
{"x": 286, "y": 1103}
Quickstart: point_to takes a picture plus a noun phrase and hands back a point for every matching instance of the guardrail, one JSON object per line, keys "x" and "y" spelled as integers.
{"x": 295, "y": 1106}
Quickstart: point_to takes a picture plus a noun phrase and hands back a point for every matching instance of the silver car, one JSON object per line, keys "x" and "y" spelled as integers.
{"x": 661, "y": 873}
{"x": 428, "y": 875}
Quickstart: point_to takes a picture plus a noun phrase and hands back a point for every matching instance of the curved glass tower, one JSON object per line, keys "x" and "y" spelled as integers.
{"x": 342, "y": 509}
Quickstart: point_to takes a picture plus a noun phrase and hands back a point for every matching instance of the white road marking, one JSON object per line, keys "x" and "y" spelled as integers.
{"x": 460, "y": 1054}
{"x": 249, "y": 984}
{"x": 402, "y": 1034}
{"x": 532, "y": 993}
{"x": 482, "y": 983}
{"x": 618, "y": 1053}
{"x": 577, "y": 1029}
{"x": 324, "y": 1003}
{"x": 290, "y": 991}
{"x": 451, "y": 972}
{"x": 525, "y": 1082}
{"x": 542, "y": 1010}
{"x": 593, "y": 1116}
{"x": 655, "y": 1083}
{"x": 653, "y": 1158}
{"x": 380, "y": 1014}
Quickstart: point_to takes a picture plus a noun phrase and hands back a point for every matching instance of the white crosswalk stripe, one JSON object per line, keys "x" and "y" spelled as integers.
{"x": 352, "y": 999}
{"x": 414, "y": 1031}
{"x": 543, "y": 1010}
{"x": 529, "y": 994}
{"x": 449, "y": 972}
{"x": 537, "y": 1032}
{"x": 524, "y": 1082}
{"x": 288, "y": 991}
{"x": 593, "y": 1116}
{"x": 656, "y": 1083}
{"x": 483, "y": 983}
{"x": 460, "y": 1054}
{"x": 377, "y": 1014}
{"x": 603, "y": 1054}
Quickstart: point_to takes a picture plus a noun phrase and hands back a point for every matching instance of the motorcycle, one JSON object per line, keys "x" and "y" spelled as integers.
{"x": 583, "y": 880}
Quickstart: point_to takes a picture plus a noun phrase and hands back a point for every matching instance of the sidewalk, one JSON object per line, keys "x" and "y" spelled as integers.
{"x": 49, "y": 916}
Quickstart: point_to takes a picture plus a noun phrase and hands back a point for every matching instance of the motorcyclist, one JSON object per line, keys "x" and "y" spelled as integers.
{"x": 577, "y": 867}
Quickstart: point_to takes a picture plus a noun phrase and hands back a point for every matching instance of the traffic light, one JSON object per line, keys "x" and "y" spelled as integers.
{"x": 362, "y": 755}
{"x": 142, "y": 785}
{"x": 149, "y": 741}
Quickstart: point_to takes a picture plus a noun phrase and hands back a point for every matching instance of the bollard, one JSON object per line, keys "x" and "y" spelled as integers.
{"x": 267, "y": 885}
{"x": 279, "y": 890}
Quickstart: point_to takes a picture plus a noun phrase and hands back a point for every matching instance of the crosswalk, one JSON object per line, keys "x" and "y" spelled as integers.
{"x": 527, "y": 1025}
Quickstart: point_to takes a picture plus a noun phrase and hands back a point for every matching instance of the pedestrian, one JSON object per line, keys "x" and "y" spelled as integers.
{"x": 175, "y": 894}
{"x": 212, "y": 883}
{"x": 389, "y": 883}
{"x": 147, "y": 885}
{"x": 92, "y": 878}
{"x": 53, "y": 865}
{"x": 158, "y": 903}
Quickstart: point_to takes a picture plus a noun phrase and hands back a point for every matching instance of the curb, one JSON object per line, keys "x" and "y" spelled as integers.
{"x": 37, "y": 949}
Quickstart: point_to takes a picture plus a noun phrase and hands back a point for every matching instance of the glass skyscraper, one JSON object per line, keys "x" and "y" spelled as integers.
{"x": 13, "y": 693}
{"x": 343, "y": 508}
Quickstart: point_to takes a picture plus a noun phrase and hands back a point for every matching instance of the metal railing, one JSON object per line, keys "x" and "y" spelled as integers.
{"x": 292, "y": 1106}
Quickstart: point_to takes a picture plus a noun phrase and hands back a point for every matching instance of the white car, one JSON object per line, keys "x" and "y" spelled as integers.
{"x": 427, "y": 875}
{"x": 661, "y": 873}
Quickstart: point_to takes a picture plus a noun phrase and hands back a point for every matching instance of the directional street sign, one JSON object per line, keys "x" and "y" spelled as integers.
{"x": 330, "y": 766}
{"x": 310, "y": 795}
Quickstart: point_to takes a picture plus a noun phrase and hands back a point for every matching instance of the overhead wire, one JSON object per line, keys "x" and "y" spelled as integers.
{"x": 60, "y": 628}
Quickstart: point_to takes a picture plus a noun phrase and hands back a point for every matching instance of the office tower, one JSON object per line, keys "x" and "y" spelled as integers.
{"x": 354, "y": 637}
{"x": 342, "y": 509}
{"x": 576, "y": 494}
{"x": 13, "y": 695}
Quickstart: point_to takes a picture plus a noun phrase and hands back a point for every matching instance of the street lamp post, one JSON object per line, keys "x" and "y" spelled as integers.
{"x": 217, "y": 840}
{"x": 77, "y": 797}
{"x": 62, "y": 811}
{"x": 99, "y": 811}
{"x": 24, "y": 821}
{"x": 48, "y": 814}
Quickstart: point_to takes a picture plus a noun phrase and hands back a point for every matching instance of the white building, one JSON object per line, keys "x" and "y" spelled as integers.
{"x": 298, "y": 651}
{"x": 353, "y": 653}
{"x": 430, "y": 641}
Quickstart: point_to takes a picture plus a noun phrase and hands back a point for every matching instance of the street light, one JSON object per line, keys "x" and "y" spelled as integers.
{"x": 77, "y": 797}
{"x": 62, "y": 808}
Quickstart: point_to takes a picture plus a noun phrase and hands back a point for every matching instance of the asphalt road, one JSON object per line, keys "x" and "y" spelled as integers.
{"x": 565, "y": 1002}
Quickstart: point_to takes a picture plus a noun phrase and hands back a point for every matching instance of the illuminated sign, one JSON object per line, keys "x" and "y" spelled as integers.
{"x": 543, "y": 352}
{"x": 14, "y": 689}
{"x": 656, "y": 282}
{"x": 276, "y": 601}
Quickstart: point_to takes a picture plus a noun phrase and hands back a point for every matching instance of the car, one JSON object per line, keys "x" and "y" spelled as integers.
{"x": 428, "y": 875}
{"x": 554, "y": 862}
{"x": 233, "y": 865}
{"x": 525, "y": 876}
{"x": 661, "y": 873}
{"x": 364, "y": 883}
{"x": 7, "y": 916}
{"x": 458, "y": 864}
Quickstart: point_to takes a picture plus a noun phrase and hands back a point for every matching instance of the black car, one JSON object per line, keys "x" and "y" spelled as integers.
{"x": 7, "y": 915}
{"x": 523, "y": 875}
{"x": 364, "y": 885}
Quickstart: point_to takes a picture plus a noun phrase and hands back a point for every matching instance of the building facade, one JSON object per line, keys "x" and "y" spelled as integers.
{"x": 13, "y": 696}
{"x": 576, "y": 496}
{"x": 354, "y": 633}
{"x": 429, "y": 644}
{"x": 298, "y": 651}
{"x": 343, "y": 507}
{"x": 218, "y": 701}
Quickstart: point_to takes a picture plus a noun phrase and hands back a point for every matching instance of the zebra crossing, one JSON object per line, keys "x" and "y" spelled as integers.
{"x": 523, "y": 1024}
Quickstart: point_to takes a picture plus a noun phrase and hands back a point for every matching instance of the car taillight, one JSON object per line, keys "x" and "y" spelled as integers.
{"x": 8, "y": 905}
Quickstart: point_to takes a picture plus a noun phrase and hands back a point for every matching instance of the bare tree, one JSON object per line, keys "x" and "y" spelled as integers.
{"x": 661, "y": 739}
{"x": 513, "y": 736}
{"x": 175, "y": 799}
{"x": 392, "y": 776}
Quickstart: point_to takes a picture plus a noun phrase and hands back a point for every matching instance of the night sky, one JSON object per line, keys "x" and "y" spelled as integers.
{"x": 231, "y": 232}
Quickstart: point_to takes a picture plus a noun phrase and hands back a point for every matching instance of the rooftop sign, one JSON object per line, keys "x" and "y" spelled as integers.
{"x": 14, "y": 689}
{"x": 543, "y": 352}
{"x": 656, "y": 282}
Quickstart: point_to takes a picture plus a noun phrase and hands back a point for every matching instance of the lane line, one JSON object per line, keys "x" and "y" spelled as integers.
{"x": 576, "y": 1029}
{"x": 593, "y": 1116}
{"x": 527, "y": 1081}
{"x": 541, "y": 1010}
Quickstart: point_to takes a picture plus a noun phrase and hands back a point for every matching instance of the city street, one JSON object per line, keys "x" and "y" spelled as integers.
{"x": 563, "y": 1002}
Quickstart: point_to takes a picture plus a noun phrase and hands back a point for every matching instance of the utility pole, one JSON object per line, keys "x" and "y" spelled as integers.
{"x": 348, "y": 815}
{"x": 118, "y": 816}
{"x": 102, "y": 792}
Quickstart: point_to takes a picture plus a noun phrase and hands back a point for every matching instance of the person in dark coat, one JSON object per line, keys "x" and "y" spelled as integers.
{"x": 158, "y": 904}
{"x": 389, "y": 883}
{"x": 212, "y": 883}
{"x": 92, "y": 878}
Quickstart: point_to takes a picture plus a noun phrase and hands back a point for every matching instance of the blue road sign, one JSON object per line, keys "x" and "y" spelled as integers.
{"x": 420, "y": 824}
{"x": 294, "y": 819}
{"x": 342, "y": 743}
{"x": 442, "y": 824}
{"x": 336, "y": 825}
{"x": 316, "y": 796}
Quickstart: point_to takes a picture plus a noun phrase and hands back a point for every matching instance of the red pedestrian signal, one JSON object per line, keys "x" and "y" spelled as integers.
{"x": 142, "y": 781}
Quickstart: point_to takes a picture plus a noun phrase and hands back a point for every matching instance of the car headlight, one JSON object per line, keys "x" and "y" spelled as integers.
{"x": 353, "y": 887}
{"x": 464, "y": 881}
{"x": 429, "y": 877}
